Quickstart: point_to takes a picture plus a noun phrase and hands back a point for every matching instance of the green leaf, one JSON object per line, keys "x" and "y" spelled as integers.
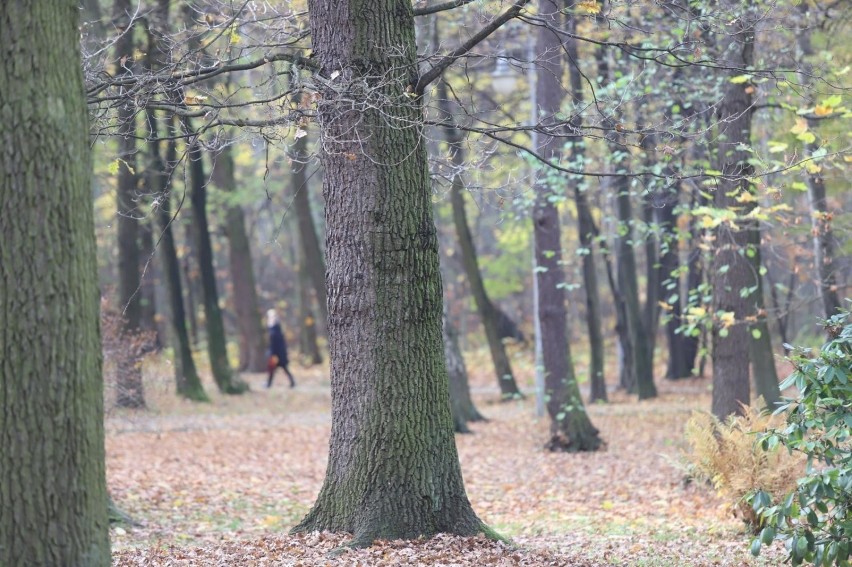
{"x": 755, "y": 547}
{"x": 756, "y": 333}
{"x": 739, "y": 79}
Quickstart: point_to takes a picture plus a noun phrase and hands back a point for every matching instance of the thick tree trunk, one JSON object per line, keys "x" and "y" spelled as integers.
{"x": 586, "y": 229}
{"x": 252, "y": 337}
{"x": 130, "y": 393}
{"x": 217, "y": 348}
{"x": 570, "y": 429}
{"x": 159, "y": 178}
{"x": 393, "y": 470}
{"x": 488, "y": 314}
{"x": 53, "y": 497}
{"x": 763, "y": 371}
{"x": 461, "y": 403}
{"x": 732, "y": 270}
{"x": 191, "y": 280}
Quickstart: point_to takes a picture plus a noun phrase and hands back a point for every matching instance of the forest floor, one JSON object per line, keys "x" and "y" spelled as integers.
{"x": 222, "y": 483}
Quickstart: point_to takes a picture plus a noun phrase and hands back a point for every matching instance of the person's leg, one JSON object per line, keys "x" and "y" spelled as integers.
{"x": 289, "y": 375}
{"x": 271, "y": 375}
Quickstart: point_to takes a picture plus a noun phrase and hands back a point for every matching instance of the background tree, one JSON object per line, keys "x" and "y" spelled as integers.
{"x": 52, "y": 473}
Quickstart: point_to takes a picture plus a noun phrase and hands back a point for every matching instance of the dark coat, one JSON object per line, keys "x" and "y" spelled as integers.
{"x": 277, "y": 344}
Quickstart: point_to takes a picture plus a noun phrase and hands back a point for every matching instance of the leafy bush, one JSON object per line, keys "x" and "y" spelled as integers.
{"x": 815, "y": 519}
{"x": 726, "y": 455}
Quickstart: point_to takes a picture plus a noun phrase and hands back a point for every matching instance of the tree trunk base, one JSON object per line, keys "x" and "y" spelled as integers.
{"x": 561, "y": 443}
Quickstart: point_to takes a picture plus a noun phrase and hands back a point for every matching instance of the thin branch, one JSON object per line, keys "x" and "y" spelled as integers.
{"x": 426, "y": 10}
{"x": 438, "y": 69}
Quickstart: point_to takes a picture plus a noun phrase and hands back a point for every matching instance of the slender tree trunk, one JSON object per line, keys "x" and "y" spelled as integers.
{"x": 764, "y": 373}
{"x": 190, "y": 279}
{"x": 130, "y": 393}
{"x": 570, "y": 429}
{"x": 679, "y": 365}
{"x": 823, "y": 237}
{"x": 642, "y": 358}
{"x": 732, "y": 270}
{"x": 637, "y": 371}
{"x": 252, "y": 338}
{"x": 461, "y": 403}
{"x": 307, "y": 322}
{"x": 488, "y": 314}
{"x": 150, "y": 275}
{"x": 586, "y": 228}
{"x": 393, "y": 470}
{"x": 217, "y": 348}
{"x": 159, "y": 178}
{"x": 53, "y": 497}
{"x": 310, "y": 253}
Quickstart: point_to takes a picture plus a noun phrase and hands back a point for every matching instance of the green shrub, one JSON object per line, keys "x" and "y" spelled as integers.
{"x": 815, "y": 519}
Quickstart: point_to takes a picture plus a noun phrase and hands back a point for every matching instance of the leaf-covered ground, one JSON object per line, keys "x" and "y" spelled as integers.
{"x": 221, "y": 484}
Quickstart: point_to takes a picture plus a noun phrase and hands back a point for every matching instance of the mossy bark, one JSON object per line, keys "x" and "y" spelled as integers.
{"x": 217, "y": 347}
{"x": 571, "y": 429}
{"x": 393, "y": 470}
{"x": 53, "y": 497}
{"x": 732, "y": 271}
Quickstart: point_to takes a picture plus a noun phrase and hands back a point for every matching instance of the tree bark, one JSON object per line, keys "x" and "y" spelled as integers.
{"x": 570, "y": 428}
{"x": 637, "y": 375}
{"x": 461, "y": 403}
{"x": 585, "y": 229}
{"x": 488, "y": 314}
{"x": 641, "y": 359}
{"x": 159, "y": 176}
{"x": 310, "y": 253}
{"x": 252, "y": 337}
{"x": 823, "y": 237}
{"x": 732, "y": 270}
{"x": 130, "y": 393}
{"x": 763, "y": 371}
{"x": 393, "y": 470}
{"x": 217, "y": 348}
{"x": 53, "y": 497}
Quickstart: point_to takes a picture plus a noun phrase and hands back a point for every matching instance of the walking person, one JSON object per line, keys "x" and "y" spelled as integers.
{"x": 277, "y": 349}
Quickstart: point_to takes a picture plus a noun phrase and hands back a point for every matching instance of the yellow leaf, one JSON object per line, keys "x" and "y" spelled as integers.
{"x": 847, "y": 159}
{"x": 194, "y": 99}
{"x": 607, "y": 505}
{"x": 821, "y": 110}
{"x": 697, "y": 312}
{"x": 813, "y": 168}
{"x": 801, "y": 126}
{"x": 727, "y": 319}
{"x": 665, "y": 306}
{"x": 746, "y": 197}
{"x": 589, "y": 7}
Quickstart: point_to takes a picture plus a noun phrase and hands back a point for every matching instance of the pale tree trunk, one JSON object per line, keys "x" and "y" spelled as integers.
{"x": 586, "y": 228}
{"x": 570, "y": 429}
{"x": 488, "y": 314}
{"x": 130, "y": 392}
{"x": 217, "y": 350}
{"x": 159, "y": 178}
{"x": 732, "y": 271}
{"x": 252, "y": 337}
{"x": 53, "y": 497}
{"x": 393, "y": 470}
